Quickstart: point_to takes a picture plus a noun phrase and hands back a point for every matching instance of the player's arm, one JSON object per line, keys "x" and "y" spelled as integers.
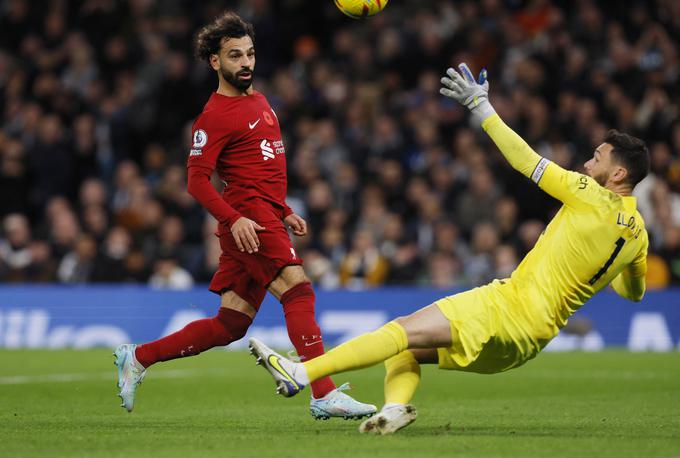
{"x": 568, "y": 187}
{"x": 287, "y": 210}
{"x": 630, "y": 283}
{"x": 629, "y": 286}
{"x": 200, "y": 166}
{"x": 200, "y": 187}
{"x": 517, "y": 152}
{"x": 295, "y": 221}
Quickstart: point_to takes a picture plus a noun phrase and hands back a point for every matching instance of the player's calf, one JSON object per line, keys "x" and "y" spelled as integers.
{"x": 196, "y": 337}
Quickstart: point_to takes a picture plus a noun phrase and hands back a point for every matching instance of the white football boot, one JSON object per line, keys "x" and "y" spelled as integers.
{"x": 283, "y": 370}
{"x": 389, "y": 420}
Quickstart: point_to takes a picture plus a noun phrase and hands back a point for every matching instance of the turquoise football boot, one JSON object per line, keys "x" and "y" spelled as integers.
{"x": 338, "y": 404}
{"x": 130, "y": 375}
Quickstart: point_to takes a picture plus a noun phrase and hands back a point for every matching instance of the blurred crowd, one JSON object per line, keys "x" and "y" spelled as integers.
{"x": 398, "y": 187}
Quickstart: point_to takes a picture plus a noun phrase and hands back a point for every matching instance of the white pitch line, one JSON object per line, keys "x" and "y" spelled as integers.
{"x": 112, "y": 375}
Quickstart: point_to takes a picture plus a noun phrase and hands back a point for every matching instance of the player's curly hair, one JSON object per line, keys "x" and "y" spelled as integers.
{"x": 228, "y": 25}
{"x": 631, "y": 152}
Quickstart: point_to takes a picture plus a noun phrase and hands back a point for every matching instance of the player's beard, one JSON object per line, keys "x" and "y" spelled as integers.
{"x": 233, "y": 79}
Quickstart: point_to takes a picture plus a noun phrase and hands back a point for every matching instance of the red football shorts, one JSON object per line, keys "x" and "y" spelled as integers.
{"x": 248, "y": 275}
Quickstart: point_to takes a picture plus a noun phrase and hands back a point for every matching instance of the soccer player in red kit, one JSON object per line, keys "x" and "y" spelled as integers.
{"x": 238, "y": 135}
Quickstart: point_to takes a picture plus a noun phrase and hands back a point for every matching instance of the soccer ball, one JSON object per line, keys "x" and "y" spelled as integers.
{"x": 359, "y": 9}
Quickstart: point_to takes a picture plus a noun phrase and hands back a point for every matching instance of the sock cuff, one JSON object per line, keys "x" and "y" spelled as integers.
{"x": 300, "y": 290}
{"x": 402, "y": 359}
{"x": 398, "y": 334}
{"x": 389, "y": 405}
{"x": 136, "y": 362}
{"x": 230, "y": 317}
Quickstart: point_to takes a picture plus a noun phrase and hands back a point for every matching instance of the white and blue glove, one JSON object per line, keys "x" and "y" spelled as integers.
{"x": 466, "y": 91}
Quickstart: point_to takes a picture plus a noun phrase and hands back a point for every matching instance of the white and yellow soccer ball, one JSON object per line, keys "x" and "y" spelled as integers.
{"x": 359, "y": 9}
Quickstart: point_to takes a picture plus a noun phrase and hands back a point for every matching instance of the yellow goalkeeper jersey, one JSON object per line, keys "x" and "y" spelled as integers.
{"x": 596, "y": 236}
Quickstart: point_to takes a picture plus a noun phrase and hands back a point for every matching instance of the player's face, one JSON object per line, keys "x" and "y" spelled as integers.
{"x": 236, "y": 62}
{"x": 601, "y": 167}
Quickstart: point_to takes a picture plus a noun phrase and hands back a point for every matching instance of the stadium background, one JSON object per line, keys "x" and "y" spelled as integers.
{"x": 98, "y": 97}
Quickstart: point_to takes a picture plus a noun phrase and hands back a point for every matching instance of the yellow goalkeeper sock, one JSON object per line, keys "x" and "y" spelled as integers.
{"x": 402, "y": 378}
{"x": 363, "y": 351}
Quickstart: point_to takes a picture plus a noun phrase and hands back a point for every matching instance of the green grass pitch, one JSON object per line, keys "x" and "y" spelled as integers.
{"x": 610, "y": 404}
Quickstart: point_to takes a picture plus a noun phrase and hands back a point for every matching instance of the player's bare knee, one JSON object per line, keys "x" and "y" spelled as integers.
{"x": 288, "y": 278}
{"x": 426, "y": 328}
{"x": 416, "y": 335}
{"x": 401, "y": 320}
{"x": 231, "y": 300}
{"x": 293, "y": 275}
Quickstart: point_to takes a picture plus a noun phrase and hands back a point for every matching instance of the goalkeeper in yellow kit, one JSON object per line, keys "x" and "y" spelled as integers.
{"x": 597, "y": 238}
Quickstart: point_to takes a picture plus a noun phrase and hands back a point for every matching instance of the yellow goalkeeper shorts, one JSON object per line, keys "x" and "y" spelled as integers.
{"x": 486, "y": 338}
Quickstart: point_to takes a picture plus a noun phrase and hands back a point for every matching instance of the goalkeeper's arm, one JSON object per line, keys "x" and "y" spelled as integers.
{"x": 630, "y": 283}
{"x": 520, "y": 155}
{"x": 475, "y": 95}
{"x": 628, "y": 286}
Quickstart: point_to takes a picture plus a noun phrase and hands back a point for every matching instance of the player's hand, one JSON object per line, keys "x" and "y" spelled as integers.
{"x": 296, "y": 223}
{"x": 463, "y": 88}
{"x": 245, "y": 231}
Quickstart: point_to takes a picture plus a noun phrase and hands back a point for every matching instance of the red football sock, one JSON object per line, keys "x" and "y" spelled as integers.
{"x": 200, "y": 335}
{"x": 304, "y": 333}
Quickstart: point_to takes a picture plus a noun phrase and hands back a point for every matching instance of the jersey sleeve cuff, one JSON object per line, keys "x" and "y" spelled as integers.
{"x": 490, "y": 121}
{"x": 231, "y": 219}
{"x": 287, "y": 210}
{"x": 539, "y": 170}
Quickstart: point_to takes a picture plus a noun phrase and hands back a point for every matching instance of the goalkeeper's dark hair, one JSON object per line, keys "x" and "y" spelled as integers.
{"x": 227, "y": 25}
{"x": 630, "y": 152}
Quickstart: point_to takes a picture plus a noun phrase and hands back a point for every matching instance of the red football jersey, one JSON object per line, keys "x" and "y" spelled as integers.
{"x": 241, "y": 138}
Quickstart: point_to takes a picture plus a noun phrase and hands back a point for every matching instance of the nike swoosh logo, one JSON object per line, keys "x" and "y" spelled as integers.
{"x": 309, "y": 344}
{"x": 252, "y": 125}
{"x": 274, "y": 362}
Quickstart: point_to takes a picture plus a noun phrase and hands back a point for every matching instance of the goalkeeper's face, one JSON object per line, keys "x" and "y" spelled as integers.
{"x": 235, "y": 62}
{"x": 602, "y": 167}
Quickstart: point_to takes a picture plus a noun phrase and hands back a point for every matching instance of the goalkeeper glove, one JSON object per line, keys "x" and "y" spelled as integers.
{"x": 466, "y": 91}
